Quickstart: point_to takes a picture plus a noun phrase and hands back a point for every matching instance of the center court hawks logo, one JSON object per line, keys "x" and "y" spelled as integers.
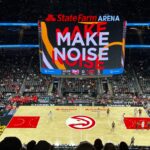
{"x": 80, "y": 122}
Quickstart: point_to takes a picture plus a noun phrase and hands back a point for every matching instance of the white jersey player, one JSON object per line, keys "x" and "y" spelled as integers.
{"x": 143, "y": 124}
{"x": 50, "y": 115}
{"x": 122, "y": 117}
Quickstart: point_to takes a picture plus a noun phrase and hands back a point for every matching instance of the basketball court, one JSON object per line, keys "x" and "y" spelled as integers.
{"x": 73, "y": 124}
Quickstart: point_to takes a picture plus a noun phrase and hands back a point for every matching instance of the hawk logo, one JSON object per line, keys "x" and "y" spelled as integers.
{"x": 80, "y": 122}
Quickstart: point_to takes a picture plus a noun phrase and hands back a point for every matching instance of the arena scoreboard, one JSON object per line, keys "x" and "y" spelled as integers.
{"x": 75, "y": 45}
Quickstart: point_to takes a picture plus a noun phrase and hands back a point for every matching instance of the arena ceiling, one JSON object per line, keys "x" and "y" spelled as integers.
{"x": 32, "y": 10}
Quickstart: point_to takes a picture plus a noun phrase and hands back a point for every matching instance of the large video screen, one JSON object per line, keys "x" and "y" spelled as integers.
{"x": 82, "y": 48}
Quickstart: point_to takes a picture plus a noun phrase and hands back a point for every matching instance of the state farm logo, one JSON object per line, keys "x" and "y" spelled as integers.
{"x": 50, "y": 17}
{"x": 80, "y": 122}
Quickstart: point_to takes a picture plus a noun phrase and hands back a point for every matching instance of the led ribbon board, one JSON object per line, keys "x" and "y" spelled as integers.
{"x": 82, "y": 48}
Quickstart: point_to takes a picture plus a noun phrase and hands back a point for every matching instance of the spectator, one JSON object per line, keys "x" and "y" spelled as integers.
{"x": 123, "y": 146}
{"x": 98, "y": 144}
{"x": 31, "y": 145}
{"x": 11, "y": 143}
{"x": 109, "y": 146}
{"x": 85, "y": 146}
{"x": 43, "y": 145}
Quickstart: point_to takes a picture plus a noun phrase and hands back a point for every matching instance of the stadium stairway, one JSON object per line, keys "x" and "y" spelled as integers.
{"x": 137, "y": 83}
{"x": 50, "y": 89}
{"x": 100, "y": 89}
{"x": 22, "y": 88}
{"x": 60, "y": 84}
{"x": 109, "y": 87}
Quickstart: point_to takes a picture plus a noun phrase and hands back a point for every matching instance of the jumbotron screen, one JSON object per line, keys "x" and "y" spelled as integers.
{"x": 82, "y": 48}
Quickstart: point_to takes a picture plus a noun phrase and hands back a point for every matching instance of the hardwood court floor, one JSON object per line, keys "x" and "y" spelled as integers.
{"x": 54, "y": 129}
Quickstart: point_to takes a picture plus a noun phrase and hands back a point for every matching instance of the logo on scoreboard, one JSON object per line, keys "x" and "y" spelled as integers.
{"x": 75, "y": 71}
{"x": 80, "y": 122}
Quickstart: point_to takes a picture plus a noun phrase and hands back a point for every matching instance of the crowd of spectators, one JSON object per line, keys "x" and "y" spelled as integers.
{"x": 124, "y": 85}
{"x": 36, "y": 82}
{"x": 12, "y": 72}
{"x": 81, "y": 86}
{"x": 142, "y": 70}
{"x": 20, "y": 80}
{"x": 20, "y": 75}
{"x": 24, "y": 99}
{"x": 14, "y": 143}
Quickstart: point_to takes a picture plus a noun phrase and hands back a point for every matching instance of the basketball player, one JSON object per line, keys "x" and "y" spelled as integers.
{"x": 143, "y": 124}
{"x": 50, "y": 115}
{"x": 122, "y": 118}
{"x": 132, "y": 141}
{"x": 137, "y": 124}
{"x": 148, "y": 125}
{"x": 108, "y": 111}
{"x": 113, "y": 126}
{"x": 140, "y": 112}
